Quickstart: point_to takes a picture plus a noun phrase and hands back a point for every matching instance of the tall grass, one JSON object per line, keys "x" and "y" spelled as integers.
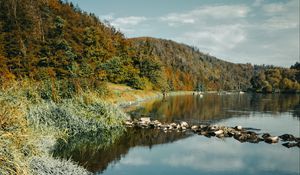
{"x": 13, "y": 138}
{"x": 35, "y": 114}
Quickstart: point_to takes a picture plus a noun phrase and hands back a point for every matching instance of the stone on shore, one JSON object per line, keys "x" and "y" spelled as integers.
{"x": 184, "y": 124}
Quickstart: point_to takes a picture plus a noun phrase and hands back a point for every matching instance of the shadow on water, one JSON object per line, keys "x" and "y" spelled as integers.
{"x": 95, "y": 156}
{"x": 213, "y": 107}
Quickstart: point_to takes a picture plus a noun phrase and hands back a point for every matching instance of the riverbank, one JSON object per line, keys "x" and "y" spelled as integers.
{"x": 31, "y": 126}
{"x": 124, "y": 96}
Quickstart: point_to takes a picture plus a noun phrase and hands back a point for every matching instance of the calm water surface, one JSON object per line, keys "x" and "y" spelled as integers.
{"x": 155, "y": 152}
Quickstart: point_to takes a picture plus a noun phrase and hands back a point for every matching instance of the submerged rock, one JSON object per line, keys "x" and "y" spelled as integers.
{"x": 287, "y": 137}
{"x": 290, "y": 144}
{"x": 271, "y": 139}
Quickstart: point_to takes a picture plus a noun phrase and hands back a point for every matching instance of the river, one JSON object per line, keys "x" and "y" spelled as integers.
{"x": 151, "y": 152}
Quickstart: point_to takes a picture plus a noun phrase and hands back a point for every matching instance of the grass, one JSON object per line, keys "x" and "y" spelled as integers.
{"x": 32, "y": 126}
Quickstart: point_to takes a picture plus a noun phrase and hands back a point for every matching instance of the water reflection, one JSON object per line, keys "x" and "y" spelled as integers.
{"x": 96, "y": 157}
{"x": 213, "y": 107}
{"x": 200, "y": 155}
{"x": 155, "y": 152}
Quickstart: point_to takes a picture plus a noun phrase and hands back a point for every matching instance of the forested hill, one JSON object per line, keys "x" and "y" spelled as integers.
{"x": 54, "y": 41}
{"x": 186, "y": 67}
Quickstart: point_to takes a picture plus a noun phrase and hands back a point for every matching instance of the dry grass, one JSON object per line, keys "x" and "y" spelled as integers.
{"x": 122, "y": 94}
{"x": 13, "y": 139}
{"x": 29, "y": 122}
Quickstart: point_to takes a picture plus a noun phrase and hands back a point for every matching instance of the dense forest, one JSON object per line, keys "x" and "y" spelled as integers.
{"x": 186, "y": 68}
{"x": 58, "y": 43}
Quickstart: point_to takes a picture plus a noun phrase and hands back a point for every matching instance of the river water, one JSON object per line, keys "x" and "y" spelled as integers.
{"x": 151, "y": 152}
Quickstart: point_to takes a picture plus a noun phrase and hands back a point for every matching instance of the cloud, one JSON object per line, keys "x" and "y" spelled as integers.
{"x": 128, "y": 21}
{"x": 274, "y": 8}
{"x": 202, "y": 13}
{"x": 135, "y": 161}
{"x": 281, "y": 15}
{"x": 217, "y": 38}
{"x": 209, "y": 155}
{"x": 126, "y": 24}
{"x": 239, "y": 32}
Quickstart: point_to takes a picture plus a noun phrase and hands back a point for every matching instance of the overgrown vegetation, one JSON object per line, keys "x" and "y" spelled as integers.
{"x": 30, "y": 125}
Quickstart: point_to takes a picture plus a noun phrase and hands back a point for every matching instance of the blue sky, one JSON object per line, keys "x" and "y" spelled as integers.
{"x": 249, "y": 31}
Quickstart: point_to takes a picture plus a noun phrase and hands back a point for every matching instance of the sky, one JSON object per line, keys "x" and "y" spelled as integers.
{"x": 239, "y": 31}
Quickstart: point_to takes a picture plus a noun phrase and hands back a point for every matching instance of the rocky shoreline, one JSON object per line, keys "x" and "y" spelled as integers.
{"x": 238, "y": 132}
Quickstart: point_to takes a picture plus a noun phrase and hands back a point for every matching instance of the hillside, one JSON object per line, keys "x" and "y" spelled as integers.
{"x": 57, "y": 43}
{"x": 186, "y": 67}
{"x": 43, "y": 40}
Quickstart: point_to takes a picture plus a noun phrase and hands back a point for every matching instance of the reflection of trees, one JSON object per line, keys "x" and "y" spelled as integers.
{"x": 96, "y": 157}
{"x": 214, "y": 107}
{"x": 275, "y": 102}
{"x": 296, "y": 112}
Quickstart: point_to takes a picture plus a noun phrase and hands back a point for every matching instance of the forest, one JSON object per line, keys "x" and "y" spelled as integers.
{"x": 55, "y": 41}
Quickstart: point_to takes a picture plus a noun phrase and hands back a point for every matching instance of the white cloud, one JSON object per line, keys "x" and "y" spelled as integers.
{"x": 281, "y": 15}
{"x": 217, "y": 38}
{"x": 125, "y": 24}
{"x": 202, "y": 13}
{"x": 134, "y": 161}
{"x": 274, "y": 8}
{"x": 128, "y": 21}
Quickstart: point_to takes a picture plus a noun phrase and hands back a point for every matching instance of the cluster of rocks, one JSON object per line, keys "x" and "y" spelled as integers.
{"x": 238, "y": 132}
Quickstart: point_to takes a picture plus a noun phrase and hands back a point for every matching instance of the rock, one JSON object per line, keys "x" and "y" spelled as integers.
{"x": 184, "y": 124}
{"x": 287, "y": 137}
{"x": 195, "y": 128}
{"x": 265, "y": 135}
{"x": 129, "y": 123}
{"x": 214, "y": 127}
{"x": 271, "y": 139}
{"x": 205, "y": 133}
{"x": 220, "y": 135}
{"x": 290, "y": 145}
{"x": 156, "y": 122}
{"x": 219, "y": 132}
{"x": 173, "y": 125}
{"x": 183, "y": 128}
{"x": 152, "y": 125}
{"x": 204, "y": 127}
{"x": 145, "y": 119}
{"x": 238, "y": 128}
{"x": 211, "y": 133}
{"x": 242, "y": 137}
